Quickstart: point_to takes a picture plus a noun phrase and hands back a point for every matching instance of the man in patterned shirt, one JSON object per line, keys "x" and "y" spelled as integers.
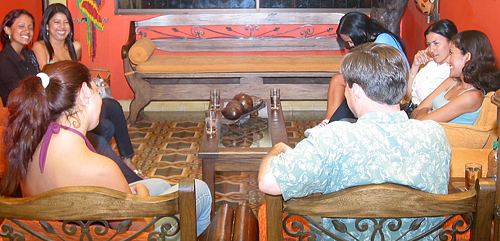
{"x": 382, "y": 146}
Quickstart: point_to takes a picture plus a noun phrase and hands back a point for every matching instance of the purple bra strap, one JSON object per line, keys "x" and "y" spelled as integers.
{"x": 54, "y": 128}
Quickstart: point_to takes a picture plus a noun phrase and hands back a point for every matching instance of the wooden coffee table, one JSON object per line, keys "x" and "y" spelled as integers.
{"x": 217, "y": 157}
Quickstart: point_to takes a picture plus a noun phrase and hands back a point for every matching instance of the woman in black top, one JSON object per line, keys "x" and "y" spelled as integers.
{"x": 16, "y": 61}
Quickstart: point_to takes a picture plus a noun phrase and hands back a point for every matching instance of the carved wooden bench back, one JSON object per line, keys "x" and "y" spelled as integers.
{"x": 391, "y": 201}
{"x": 98, "y": 203}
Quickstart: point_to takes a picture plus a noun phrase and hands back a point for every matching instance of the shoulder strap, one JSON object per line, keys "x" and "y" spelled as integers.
{"x": 54, "y": 128}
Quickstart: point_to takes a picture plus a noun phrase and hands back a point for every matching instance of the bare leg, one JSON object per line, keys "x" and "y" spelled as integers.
{"x": 335, "y": 95}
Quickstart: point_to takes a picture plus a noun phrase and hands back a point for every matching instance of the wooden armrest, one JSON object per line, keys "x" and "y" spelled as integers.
{"x": 130, "y": 41}
{"x": 246, "y": 227}
{"x": 221, "y": 227}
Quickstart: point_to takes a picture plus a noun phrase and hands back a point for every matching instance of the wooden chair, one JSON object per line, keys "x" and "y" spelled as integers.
{"x": 390, "y": 201}
{"x": 496, "y": 101}
{"x": 98, "y": 203}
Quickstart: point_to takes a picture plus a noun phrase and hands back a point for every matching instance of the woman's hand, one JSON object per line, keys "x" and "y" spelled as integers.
{"x": 139, "y": 189}
{"x": 421, "y": 57}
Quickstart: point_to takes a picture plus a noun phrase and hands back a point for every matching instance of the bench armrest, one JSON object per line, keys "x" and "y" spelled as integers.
{"x": 130, "y": 41}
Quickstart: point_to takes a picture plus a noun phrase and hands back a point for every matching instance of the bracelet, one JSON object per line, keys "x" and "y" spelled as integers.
{"x": 412, "y": 75}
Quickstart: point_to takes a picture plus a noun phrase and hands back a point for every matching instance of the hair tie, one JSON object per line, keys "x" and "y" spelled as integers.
{"x": 45, "y": 79}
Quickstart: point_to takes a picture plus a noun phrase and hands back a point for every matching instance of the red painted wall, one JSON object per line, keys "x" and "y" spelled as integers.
{"x": 108, "y": 44}
{"x": 466, "y": 14}
{"x": 35, "y": 7}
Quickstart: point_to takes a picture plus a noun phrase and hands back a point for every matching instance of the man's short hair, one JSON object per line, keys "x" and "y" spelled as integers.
{"x": 380, "y": 69}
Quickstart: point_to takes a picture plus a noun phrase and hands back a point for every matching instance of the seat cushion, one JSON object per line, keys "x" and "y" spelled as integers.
{"x": 171, "y": 64}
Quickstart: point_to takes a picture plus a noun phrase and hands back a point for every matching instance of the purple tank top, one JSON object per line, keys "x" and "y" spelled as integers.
{"x": 54, "y": 128}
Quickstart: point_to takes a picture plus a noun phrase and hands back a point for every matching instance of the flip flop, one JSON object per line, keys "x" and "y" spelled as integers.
{"x": 140, "y": 174}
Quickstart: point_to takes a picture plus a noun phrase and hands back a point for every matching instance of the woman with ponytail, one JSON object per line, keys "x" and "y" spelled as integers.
{"x": 45, "y": 142}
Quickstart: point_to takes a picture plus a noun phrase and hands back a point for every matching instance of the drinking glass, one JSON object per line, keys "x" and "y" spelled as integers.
{"x": 275, "y": 98}
{"x": 473, "y": 171}
{"x": 215, "y": 99}
{"x": 210, "y": 121}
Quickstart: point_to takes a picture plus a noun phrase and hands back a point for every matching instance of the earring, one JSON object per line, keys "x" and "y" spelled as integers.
{"x": 87, "y": 102}
{"x": 9, "y": 36}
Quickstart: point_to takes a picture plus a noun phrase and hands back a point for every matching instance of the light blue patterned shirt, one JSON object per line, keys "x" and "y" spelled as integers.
{"x": 380, "y": 147}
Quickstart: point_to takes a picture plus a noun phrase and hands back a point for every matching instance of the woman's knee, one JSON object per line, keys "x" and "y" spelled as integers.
{"x": 156, "y": 186}
{"x": 202, "y": 190}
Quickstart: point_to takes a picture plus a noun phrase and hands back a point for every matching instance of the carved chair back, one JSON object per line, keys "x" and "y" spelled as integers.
{"x": 81, "y": 207}
{"x": 384, "y": 204}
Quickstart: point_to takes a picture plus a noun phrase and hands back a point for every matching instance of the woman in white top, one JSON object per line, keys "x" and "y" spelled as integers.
{"x": 423, "y": 80}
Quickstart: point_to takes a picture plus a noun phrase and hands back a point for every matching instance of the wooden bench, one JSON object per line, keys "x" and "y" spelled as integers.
{"x": 183, "y": 56}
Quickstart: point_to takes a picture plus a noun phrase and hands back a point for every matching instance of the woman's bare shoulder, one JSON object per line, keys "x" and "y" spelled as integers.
{"x": 92, "y": 169}
{"x": 39, "y": 46}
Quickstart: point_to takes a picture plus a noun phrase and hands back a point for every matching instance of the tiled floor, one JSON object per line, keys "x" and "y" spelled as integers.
{"x": 167, "y": 143}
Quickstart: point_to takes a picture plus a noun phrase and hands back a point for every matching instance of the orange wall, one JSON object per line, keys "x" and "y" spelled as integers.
{"x": 466, "y": 14}
{"x": 33, "y": 6}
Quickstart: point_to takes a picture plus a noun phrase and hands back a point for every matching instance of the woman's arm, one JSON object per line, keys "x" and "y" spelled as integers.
{"x": 469, "y": 101}
{"x": 107, "y": 174}
{"x": 426, "y": 104}
{"x": 78, "y": 49}
{"x": 420, "y": 58}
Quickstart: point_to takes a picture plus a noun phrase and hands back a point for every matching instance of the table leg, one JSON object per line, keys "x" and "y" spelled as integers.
{"x": 208, "y": 171}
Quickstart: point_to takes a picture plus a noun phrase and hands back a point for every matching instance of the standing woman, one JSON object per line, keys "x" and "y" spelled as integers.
{"x": 473, "y": 73}
{"x": 16, "y": 61}
{"x": 56, "y": 43}
{"x": 354, "y": 29}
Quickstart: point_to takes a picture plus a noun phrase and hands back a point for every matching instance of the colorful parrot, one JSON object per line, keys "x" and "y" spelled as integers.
{"x": 90, "y": 9}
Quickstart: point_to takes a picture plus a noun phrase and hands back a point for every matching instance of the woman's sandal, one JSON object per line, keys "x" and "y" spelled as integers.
{"x": 139, "y": 173}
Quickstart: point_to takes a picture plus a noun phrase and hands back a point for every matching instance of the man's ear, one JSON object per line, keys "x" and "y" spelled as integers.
{"x": 357, "y": 90}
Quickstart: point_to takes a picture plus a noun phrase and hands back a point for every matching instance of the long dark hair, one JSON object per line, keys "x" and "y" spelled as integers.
{"x": 49, "y": 12}
{"x": 32, "y": 107}
{"x": 362, "y": 29}
{"x": 481, "y": 70}
{"x": 9, "y": 19}
{"x": 443, "y": 27}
